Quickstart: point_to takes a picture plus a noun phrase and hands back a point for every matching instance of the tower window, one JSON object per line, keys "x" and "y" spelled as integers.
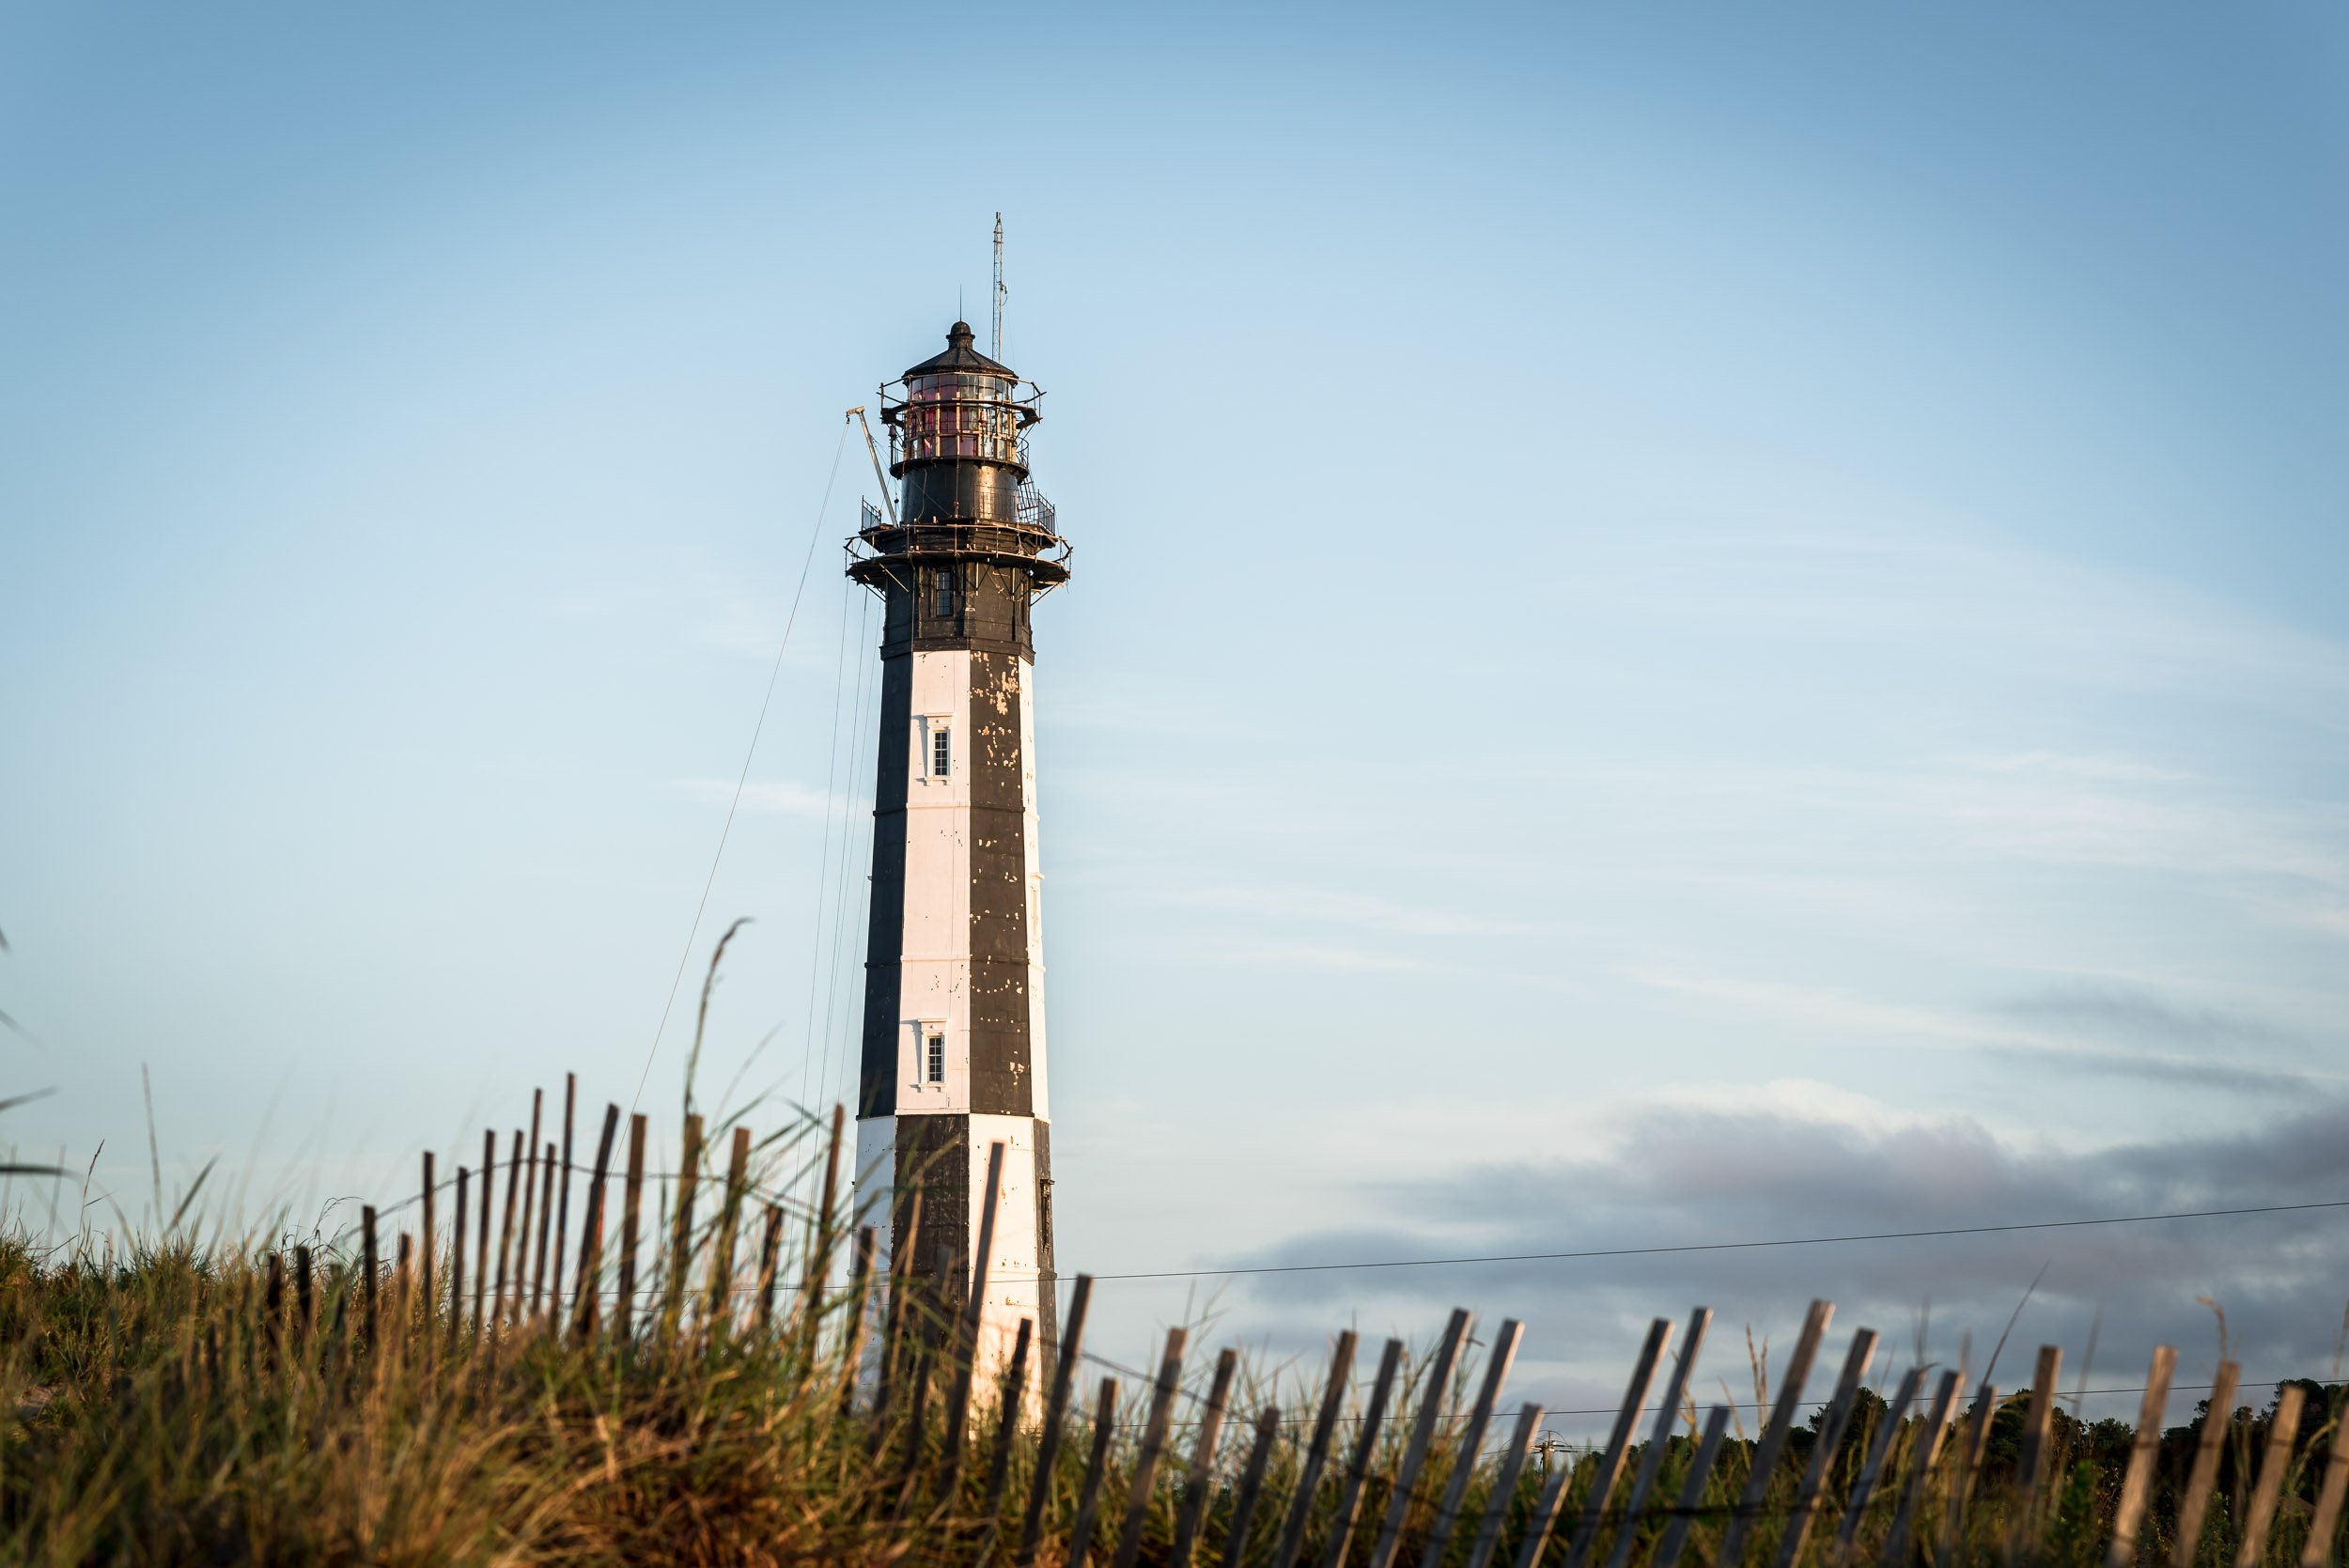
{"x": 942, "y": 593}
{"x": 942, "y": 752}
{"x": 937, "y": 1062}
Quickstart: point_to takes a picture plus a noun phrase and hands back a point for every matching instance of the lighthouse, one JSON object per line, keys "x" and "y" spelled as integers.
{"x": 954, "y": 991}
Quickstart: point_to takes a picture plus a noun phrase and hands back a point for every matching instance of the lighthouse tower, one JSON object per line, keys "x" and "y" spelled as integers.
{"x": 953, "y": 989}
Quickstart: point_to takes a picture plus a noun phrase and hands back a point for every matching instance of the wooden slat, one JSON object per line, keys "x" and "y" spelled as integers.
{"x": 457, "y": 1268}
{"x": 1967, "y": 1466}
{"x": 1291, "y": 1540}
{"x": 428, "y": 1255}
{"x": 770, "y": 1259}
{"x": 2138, "y": 1481}
{"x": 367, "y": 1277}
{"x": 1366, "y": 1449}
{"x": 2283, "y": 1433}
{"x": 1824, "y": 1451}
{"x": 1472, "y": 1439}
{"x": 1202, "y": 1473}
{"x": 632, "y": 1219}
{"x": 904, "y": 1243}
{"x": 591, "y": 1232}
{"x": 1012, "y": 1400}
{"x": 481, "y": 1243}
{"x": 1872, "y": 1468}
{"x": 1659, "y": 1436}
{"x": 505, "y": 1230}
{"x": 1096, "y": 1470}
{"x": 1251, "y": 1485}
{"x": 1438, "y": 1389}
{"x": 820, "y": 1254}
{"x": 2194, "y": 1504}
{"x": 1594, "y": 1516}
{"x": 681, "y": 1259}
{"x": 1676, "y": 1536}
{"x": 852, "y": 1336}
{"x": 1055, "y": 1414}
{"x": 525, "y": 1303}
{"x": 1773, "y": 1443}
{"x": 546, "y": 1233}
{"x": 1504, "y": 1486}
{"x": 2038, "y": 1436}
{"x": 968, "y": 1323}
{"x": 2325, "y": 1520}
{"x": 563, "y": 1194}
{"x": 1924, "y": 1454}
{"x": 1163, "y": 1392}
{"x": 306, "y": 1301}
{"x": 718, "y": 1308}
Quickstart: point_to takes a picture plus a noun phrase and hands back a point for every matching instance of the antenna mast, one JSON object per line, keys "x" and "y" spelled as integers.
{"x": 995, "y": 350}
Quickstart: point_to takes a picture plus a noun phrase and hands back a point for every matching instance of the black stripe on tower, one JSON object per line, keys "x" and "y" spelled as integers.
{"x": 1003, "y": 1081}
{"x": 935, "y": 1156}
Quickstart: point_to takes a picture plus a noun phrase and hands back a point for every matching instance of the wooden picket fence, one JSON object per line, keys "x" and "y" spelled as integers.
{"x": 1425, "y": 1465}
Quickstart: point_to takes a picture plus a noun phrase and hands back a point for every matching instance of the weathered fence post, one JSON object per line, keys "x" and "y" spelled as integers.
{"x": 431, "y": 1242}
{"x": 1389, "y": 1537}
{"x": 1163, "y": 1392}
{"x": 719, "y": 1311}
{"x": 1194, "y": 1500}
{"x": 1924, "y": 1454}
{"x": 1773, "y": 1443}
{"x": 1497, "y": 1364}
{"x": 680, "y": 1262}
{"x": 481, "y": 1243}
{"x": 546, "y": 1229}
{"x": 2038, "y": 1436}
{"x": 2318, "y": 1550}
{"x": 1504, "y": 1486}
{"x": 2216, "y": 1419}
{"x": 820, "y": 1251}
{"x": 2283, "y": 1433}
{"x": 1643, "y": 1480}
{"x": 770, "y": 1259}
{"x": 2138, "y": 1481}
{"x": 366, "y": 1279}
{"x": 1973, "y": 1442}
{"x": 524, "y": 1306}
{"x": 591, "y": 1232}
{"x": 1250, "y": 1485}
{"x": 1096, "y": 1466}
{"x": 563, "y": 1194}
{"x": 1291, "y": 1537}
{"x": 1693, "y": 1489}
{"x": 1007, "y": 1421}
{"x": 632, "y": 1219}
{"x": 965, "y": 1337}
{"x": 457, "y": 1268}
{"x": 1823, "y": 1452}
{"x": 853, "y": 1337}
{"x": 505, "y": 1229}
{"x": 1056, "y": 1404}
{"x": 1871, "y": 1470}
{"x": 1365, "y": 1445}
{"x": 1611, "y": 1464}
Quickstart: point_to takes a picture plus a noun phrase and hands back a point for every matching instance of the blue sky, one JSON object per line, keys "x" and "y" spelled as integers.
{"x": 1670, "y": 603}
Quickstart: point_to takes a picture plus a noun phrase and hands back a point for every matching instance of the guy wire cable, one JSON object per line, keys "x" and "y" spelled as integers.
{"x": 815, "y": 533}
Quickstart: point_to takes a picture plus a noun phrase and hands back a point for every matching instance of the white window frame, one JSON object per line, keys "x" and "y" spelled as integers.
{"x": 928, "y": 730}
